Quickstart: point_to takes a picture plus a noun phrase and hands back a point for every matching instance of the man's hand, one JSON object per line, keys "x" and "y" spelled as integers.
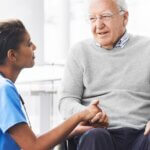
{"x": 98, "y": 118}
{"x": 92, "y": 117}
{"x": 91, "y": 110}
{"x": 147, "y": 128}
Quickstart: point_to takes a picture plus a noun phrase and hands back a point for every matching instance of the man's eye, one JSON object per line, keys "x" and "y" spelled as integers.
{"x": 92, "y": 18}
{"x": 106, "y": 16}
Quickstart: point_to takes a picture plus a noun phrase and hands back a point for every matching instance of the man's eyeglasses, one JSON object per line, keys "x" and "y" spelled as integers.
{"x": 104, "y": 17}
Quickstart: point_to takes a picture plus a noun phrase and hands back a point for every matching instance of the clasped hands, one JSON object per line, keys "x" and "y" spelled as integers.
{"x": 100, "y": 119}
{"x": 97, "y": 119}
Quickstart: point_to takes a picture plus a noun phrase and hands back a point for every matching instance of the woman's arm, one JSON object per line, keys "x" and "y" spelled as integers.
{"x": 27, "y": 140}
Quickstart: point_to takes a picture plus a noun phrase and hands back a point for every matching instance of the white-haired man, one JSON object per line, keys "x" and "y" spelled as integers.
{"x": 114, "y": 68}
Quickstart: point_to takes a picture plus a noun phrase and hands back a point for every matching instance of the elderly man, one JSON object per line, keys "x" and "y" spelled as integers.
{"x": 114, "y": 67}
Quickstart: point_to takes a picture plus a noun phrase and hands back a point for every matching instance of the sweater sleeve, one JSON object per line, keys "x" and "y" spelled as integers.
{"x": 72, "y": 86}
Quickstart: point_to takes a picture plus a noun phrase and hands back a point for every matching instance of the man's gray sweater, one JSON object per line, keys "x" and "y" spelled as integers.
{"x": 119, "y": 78}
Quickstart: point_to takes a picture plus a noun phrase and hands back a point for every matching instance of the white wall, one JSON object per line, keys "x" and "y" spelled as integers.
{"x": 31, "y": 12}
{"x": 139, "y": 14}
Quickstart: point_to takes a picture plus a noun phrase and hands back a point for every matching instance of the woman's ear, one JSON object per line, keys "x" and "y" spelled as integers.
{"x": 11, "y": 55}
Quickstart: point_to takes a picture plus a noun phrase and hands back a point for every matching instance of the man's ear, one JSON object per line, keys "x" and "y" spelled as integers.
{"x": 11, "y": 55}
{"x": 126, "y": 15}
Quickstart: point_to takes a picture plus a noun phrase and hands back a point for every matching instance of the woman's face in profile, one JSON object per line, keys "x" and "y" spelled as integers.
{"x": 25, "y": 53}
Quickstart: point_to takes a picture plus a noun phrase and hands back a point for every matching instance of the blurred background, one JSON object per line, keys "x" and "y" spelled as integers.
{"x": 54, "y": 26}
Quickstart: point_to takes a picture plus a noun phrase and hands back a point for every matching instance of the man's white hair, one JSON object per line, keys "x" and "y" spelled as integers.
{"x": 121, "y": 4}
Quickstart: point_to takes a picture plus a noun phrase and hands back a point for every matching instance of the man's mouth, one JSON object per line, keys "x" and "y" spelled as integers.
{"x": 102, "y": 33}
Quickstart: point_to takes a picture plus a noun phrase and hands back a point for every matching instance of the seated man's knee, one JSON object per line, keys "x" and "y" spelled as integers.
{"x": 96, "y": 133}
{"x": 97, "y": 138}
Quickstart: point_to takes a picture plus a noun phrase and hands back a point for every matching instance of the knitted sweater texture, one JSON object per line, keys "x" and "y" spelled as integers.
{"x": 119, "y": 78}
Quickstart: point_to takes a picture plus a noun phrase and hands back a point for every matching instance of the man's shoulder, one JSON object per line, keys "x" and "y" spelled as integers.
{"x": 81, "y": 49}
{"x": 83, "y": 43}
{"x": 82, "y": 46}
{"x": 142, "y": 38}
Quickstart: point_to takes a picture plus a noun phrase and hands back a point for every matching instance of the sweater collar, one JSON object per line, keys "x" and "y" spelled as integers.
{"x": 121, "y": 42}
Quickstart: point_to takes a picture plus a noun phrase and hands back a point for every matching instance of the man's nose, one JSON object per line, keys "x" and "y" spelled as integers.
{"x": 99, "y": 23}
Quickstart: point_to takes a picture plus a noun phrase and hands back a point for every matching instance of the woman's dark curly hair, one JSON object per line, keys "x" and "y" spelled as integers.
{"x": 11, "y": 35}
